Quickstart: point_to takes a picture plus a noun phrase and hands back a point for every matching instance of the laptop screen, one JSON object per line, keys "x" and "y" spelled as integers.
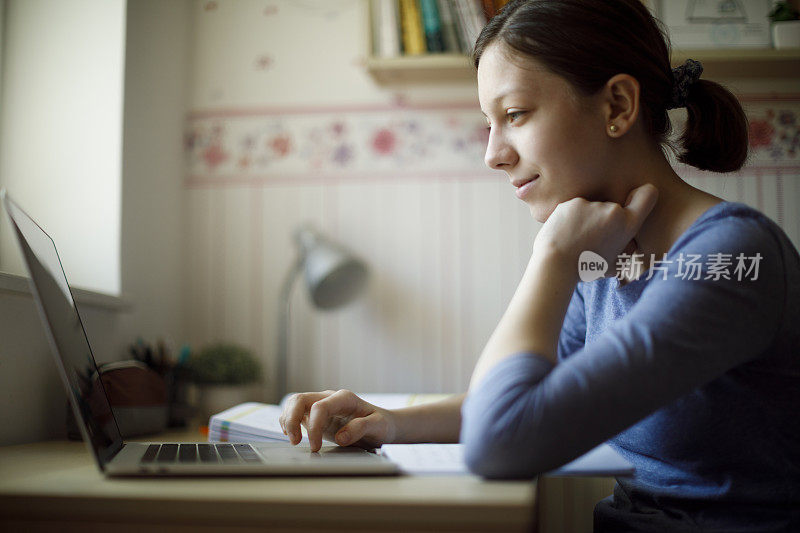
{"x": 68, "y": 339}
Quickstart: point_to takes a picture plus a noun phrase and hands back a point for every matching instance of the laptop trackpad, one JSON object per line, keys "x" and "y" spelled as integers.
{"x": 284, "y": 451}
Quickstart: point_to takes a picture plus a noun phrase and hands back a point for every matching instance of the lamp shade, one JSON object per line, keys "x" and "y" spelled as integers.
{"x": 334, "y": 277}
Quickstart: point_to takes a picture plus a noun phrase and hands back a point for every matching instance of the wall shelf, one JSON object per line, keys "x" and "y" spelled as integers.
{"x": 421, "y": 68}
{"x": 730, "y": 63}
{"x": 744, "y": 63}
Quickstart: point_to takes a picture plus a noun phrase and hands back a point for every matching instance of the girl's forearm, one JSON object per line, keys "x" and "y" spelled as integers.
{"x": 533, "y": 320}
{"x": 433, "y": 422}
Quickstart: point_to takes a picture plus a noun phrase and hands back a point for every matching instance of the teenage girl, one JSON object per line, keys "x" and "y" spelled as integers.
{"x": 691, "y": 369}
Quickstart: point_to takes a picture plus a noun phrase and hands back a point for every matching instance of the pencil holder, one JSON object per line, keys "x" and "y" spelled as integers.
{"x": 137, "y": 396}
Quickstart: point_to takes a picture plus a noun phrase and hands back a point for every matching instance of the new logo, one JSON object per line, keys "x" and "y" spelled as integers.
{"x": 591, "y": 266}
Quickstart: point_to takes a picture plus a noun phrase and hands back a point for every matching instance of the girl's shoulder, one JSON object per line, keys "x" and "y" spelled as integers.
{"x": 729, "y": 243}
{"x": 735, "y": 228}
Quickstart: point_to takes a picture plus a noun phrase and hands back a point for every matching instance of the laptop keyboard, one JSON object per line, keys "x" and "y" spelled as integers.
{"x": 200, "y": 453}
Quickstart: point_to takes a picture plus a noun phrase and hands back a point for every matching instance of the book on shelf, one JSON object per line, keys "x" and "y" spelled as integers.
{"x": 489, "y": 8}
{"x": 450, "y": 38}
{"x": 499, "y": 4}
{"x": 432, "y": 24}
{"x": 416, "y": 27}
{"x": 385, "y": 28}
{"x": 471, "y": 20}
{"x": 411, "y": 28}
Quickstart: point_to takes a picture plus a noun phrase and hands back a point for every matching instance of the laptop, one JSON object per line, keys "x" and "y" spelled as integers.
{"x": 78, "y": 370}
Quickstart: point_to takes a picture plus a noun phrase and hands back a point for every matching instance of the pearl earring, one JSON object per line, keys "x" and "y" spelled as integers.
{"x": 613, "y": 128}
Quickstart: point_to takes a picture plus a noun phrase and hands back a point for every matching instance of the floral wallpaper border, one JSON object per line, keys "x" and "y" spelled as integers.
{"x": 252, "y": 146}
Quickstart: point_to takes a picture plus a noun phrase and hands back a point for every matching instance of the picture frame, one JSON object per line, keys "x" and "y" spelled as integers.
{"x": 715, "y": 24}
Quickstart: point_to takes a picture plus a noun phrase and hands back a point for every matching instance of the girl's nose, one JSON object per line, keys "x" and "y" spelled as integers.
{"x": 499, "y": 154}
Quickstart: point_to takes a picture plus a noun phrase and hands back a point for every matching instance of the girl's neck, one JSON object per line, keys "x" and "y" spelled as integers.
{"x": 679, "y": 205}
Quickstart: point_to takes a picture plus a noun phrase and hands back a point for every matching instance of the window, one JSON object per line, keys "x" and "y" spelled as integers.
{"x": 61, "y": 105}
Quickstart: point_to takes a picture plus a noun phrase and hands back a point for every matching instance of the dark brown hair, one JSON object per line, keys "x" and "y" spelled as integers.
{"x": 589, "y": 41}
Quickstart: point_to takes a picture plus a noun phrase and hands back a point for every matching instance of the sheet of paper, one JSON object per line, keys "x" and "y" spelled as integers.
{"x": 449, "y": 459}
{"x": 600, "y": 461}
{"x": 427, "y": 458}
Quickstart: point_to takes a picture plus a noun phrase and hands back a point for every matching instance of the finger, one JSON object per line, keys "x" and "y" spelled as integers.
{"x": 282, "y": 418}
{"x": 317, "y": 420}
{"x": 628, "y": 199}
{"x": 296, "y": 409}
{"x": 341, "y": 403}
{"x": 356, "y": 429}
{"x": 639, "y": 204}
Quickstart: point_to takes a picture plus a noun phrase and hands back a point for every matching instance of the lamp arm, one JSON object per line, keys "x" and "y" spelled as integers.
{"x": 284, "y": 303}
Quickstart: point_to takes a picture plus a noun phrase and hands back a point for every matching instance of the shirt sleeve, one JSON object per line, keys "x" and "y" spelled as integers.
{"x": 527, "y": 416}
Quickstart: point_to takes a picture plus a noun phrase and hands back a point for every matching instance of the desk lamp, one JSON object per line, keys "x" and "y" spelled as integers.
{"x": 334, "y": 277}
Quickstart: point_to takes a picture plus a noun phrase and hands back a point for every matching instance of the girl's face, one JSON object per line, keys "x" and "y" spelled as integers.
{"x": 551, "y": 142}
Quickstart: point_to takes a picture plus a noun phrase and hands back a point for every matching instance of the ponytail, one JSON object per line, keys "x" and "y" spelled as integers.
{"x": 715, "y": 137}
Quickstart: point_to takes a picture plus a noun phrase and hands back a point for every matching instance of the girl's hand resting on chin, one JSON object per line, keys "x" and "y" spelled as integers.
{"x": 338, "y": 416}
{"x": 605, "y": 228}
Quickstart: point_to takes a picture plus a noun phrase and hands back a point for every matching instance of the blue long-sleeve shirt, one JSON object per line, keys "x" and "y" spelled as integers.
{"x": 695, "y": 381}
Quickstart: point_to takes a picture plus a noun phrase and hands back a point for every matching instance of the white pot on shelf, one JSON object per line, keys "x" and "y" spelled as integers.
{"x": 786, "y": 34}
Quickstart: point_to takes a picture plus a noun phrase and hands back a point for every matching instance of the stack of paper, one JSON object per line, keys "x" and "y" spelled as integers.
{"x": 250, "y": 421}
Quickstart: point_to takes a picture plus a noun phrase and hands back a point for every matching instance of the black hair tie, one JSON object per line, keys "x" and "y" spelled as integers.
{"x": 683, "y": 77}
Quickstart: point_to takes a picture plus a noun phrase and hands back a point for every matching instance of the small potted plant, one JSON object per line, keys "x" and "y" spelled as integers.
{"x": 226, "y": 375}
{"x": 785, "y": 26}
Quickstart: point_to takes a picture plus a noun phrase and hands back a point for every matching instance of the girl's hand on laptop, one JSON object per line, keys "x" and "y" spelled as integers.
{"x": 338, "y": 416}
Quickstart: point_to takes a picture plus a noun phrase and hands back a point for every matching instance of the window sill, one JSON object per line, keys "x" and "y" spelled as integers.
{"x": 14, "y": 284}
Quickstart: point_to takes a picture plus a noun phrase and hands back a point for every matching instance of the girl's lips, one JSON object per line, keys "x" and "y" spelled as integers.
{"x": 524, "y": 189}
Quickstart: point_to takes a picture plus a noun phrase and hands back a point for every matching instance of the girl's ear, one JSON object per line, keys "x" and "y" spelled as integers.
{"x": 621, "y": 94}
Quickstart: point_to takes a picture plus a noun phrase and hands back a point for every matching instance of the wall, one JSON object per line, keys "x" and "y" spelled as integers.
{"x": 285, "y": 126}
{"x": 32, "y": 395}
{"x": 153, "y": 233}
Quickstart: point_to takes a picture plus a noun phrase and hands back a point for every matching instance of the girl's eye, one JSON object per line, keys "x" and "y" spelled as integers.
{"x": 514, "y": 115}
{"x": 511, "y": 117}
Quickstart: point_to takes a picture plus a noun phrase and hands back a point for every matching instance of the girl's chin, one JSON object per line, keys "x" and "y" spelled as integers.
{"x": 540, "y": 213}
